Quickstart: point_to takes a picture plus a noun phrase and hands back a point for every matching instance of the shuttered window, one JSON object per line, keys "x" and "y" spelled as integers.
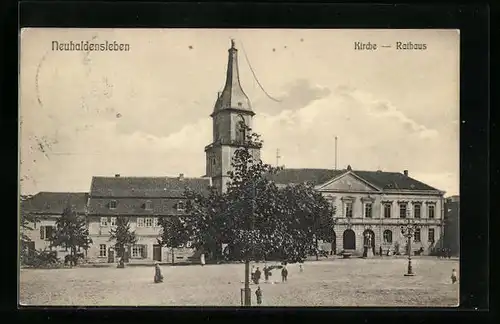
{"x": 42, "y": 232}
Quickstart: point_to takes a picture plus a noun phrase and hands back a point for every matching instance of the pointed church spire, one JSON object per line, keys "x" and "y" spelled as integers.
{"x": 233, "y": 96}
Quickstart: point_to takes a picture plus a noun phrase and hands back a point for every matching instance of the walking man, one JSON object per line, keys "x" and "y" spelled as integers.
{"x": 453, "y": 276}
{"x": 284, "y": 274}
{"x": 258, "y": 294}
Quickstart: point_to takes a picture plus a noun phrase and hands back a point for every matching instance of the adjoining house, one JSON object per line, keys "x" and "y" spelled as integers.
{"x": 47, "y": 207}
{"x": 375, "y": 202}
{"x": 452, "y": 225}
{"x": 143, "y": 200}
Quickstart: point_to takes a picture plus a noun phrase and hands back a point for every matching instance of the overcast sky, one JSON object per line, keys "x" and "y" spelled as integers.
{"x": 145, "y": 112}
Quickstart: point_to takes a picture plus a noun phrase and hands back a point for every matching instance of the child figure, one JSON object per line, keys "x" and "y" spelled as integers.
{"x": 301, "y": 269}
{"x": 258, "y": 294}
{"x": 453, "y": 276}
{"x": 158, "y": 276}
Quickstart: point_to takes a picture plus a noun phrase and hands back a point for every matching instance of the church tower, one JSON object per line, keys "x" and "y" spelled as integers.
{"x": 231, "y": 108}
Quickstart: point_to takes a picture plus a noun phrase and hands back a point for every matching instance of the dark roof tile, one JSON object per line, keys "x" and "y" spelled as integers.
{"x": 381, "y": 179}
{"x": 146, "y": 187}
{"x": 55, "y": 202}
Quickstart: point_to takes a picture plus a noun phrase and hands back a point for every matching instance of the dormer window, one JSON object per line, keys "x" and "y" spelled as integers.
{"x": 181, "y": 206}
{"x": 112, "y": 204}
{"x": 148, "y": 205}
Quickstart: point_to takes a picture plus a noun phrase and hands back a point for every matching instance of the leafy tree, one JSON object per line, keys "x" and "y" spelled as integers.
{"x": 258, "y": 219}
{"x": 175, "y": 232}
{"x": 26, "y": 218}
{"x": 71, "y": 232}
{"x": 123, "y": 235}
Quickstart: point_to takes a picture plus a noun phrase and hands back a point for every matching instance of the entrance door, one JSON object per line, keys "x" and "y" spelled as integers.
{"x": 157, "y": 252}
{"x": 371, "y": 241}
{"x": 349, "y": 240}
{"x": 111, "y": 255}
{"x": 334, "y": 245}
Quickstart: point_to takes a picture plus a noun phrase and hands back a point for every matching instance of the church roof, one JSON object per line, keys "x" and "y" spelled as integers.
{"x": 232, "y": 97}
{"x": 381, "y": 179}
{"x": 146, "y": 187}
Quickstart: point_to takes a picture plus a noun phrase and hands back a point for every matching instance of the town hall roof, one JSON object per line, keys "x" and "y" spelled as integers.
{"x": 381, "y": 179}
{"x": 55, "y": 202}
{"x": 146, "y": 187}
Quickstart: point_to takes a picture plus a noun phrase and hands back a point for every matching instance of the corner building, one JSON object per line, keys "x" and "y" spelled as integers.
{"x": 378, "y": 203}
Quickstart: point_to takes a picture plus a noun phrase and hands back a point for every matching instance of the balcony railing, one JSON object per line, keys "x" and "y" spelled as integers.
{"x": 387, "y": 221}
{"x": 234, "y": 143}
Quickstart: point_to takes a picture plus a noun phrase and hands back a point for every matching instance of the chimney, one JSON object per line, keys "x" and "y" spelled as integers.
{"x": 405, "y": 172}
{"x": 181, "y": 176}
{"x": 117, "y": 175}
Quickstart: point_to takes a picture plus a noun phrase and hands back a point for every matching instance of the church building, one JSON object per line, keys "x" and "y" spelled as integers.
{"x": 232, "y": 110}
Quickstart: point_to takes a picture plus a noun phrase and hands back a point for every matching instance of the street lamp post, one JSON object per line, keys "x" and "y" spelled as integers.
{"x": 247, "y": 291}
{"x": 408, "y": 230}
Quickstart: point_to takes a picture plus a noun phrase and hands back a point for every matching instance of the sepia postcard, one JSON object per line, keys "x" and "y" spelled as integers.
{"x": 239, "y": 167}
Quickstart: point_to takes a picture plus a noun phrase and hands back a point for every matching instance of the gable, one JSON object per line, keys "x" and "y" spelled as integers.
{"x": 348, "y": 182}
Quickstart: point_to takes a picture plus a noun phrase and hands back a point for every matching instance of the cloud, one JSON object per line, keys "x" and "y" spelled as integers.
{"x": 294, "y": 95}
{"x": 372, "y": 135}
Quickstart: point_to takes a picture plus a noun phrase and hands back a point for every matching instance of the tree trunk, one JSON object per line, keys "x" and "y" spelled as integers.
{"x": 173, "y": 260}
{"x": 316, "y": 244}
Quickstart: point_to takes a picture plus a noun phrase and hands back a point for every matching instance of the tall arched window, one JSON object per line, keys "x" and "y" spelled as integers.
{"x": 240, "y": 129}
{"x": 387, "y": 236}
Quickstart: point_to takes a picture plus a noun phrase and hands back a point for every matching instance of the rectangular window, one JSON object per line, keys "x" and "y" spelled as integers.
{"x": 102, "y": 250}
{"x": 431, "y": 211}
{"x": 113, "y": 221}
{"x": 348, "y": 209}
{"x": 140, "y": 222}
{"x": 402, "y": 210}
{"x": 42, "y": 232}
{"x": 149, "y": 205}
{"x": 138, "y": 251}
{"x": 104, "y": 221}
{"x": 155, "y": 222}
{"x": 387, "y": 210}
{"x": 416, "y": 210}
{"x": 387, "y": 236}
{"x": 180, "y": 206}
{"x": 112, "y": 204}
{"x": 368, "y": 210}
{"x": 149, "y": 222}
{"x": 49, "y": 231}
{"x": 416, "y": 235}
{"x": 430, "y": 237}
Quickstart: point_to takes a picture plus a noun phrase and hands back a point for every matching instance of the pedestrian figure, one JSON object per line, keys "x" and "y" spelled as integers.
{"x": 121, "y": 264}
{"x": 158, "y": 276}
{"x": 257, "y": 275}
{"x": 301, "y": 269}
{"x": 202, "y": 259}
{"x": 380, "y": 251}
{"x": 284, "y": 274}
{"x": 453, "y": 276}
{"x": 258, "y": 294}
{"x": 267, "y": 273}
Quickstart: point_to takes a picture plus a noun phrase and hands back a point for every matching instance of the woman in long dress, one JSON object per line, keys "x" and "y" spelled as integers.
{"x": 202, "y": 259}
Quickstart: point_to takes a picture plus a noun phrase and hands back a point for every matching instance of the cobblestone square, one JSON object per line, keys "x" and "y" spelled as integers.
{"x": 337, "y": 283}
